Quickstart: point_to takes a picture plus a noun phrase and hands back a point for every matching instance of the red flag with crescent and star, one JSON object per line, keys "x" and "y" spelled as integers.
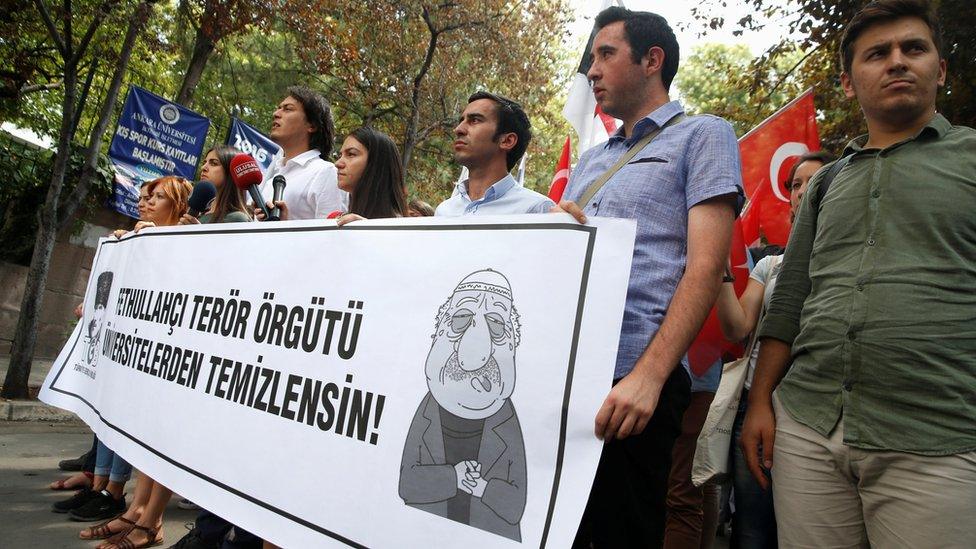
{"x": 559, "y": 181}
{"x": 768, "y": 153}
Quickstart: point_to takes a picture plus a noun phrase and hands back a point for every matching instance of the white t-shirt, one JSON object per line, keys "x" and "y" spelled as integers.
{"x": 765, "y": 273}
{"x": 312, "y": 186}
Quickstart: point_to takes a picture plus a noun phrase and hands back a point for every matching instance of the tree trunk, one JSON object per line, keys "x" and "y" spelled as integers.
{"x": 136, "y": 24}
{"x": 203, "y": 48}
{"x": 22, "y": 348}
{"x": 25, "y": 336}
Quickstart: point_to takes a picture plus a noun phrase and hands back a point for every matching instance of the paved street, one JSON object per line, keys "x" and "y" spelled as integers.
{"x": 29, "y": 455}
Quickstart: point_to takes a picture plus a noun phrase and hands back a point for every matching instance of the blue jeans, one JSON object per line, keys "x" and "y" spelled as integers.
{"x": 754, "y": 522}
{"x": 107, "y": 463}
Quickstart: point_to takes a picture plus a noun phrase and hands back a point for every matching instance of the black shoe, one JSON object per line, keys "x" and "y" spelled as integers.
{"x": 102, "y": 506}
{"x": 80, "y": 498}
{"x": 192, "y": 540}
{"x": 73, "y": 464}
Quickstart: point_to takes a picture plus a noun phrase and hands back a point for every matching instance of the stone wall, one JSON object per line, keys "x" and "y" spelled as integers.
{"x": 66, "y": 282}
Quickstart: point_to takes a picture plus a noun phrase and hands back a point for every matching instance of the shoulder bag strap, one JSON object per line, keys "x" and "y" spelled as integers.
{"x": 762, "y": 312}
{"x": 624, "y": 159}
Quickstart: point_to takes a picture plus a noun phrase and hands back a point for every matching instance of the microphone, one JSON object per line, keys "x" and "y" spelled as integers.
{"x": 279, "y": 189}
{"x": 203, "y": 193}
{"x": 246, "y": 174}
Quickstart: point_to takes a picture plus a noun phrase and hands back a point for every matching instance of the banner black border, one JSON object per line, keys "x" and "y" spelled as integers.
{"x": 564, "y": 417}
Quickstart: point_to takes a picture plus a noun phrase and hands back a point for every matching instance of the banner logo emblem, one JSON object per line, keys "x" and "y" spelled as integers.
{"x": 169, "y": 114}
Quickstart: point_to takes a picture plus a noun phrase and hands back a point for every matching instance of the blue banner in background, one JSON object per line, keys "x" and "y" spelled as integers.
{"x": 245, "y": 138}
{"x": 154, "y": 137}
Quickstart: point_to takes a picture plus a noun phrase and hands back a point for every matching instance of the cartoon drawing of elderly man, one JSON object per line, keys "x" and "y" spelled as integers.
{"x": 464, "y": 457}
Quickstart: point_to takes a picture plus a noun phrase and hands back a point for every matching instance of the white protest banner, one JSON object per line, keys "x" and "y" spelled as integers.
{"x": 392, "y": 383}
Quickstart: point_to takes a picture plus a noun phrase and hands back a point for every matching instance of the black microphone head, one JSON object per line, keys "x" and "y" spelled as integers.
{"x": 278, "y": 180}
{"x": 203, "y": 193}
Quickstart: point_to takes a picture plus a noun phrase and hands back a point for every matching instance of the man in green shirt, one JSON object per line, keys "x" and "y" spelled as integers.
{"x": 870, "y": 436}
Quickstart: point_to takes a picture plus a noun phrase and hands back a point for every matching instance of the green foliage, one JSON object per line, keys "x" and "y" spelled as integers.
{"x": 27, "y": 171}
{"x": 727, "y": 81}
{"x": 819, "y": 25}
{"x": 363, "y": 57}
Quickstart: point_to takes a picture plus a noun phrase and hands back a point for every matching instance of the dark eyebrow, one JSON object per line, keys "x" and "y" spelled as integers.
{"x": 880, "y": 47}
{"x": 500, "y": 304}
{"x": 911, "y": 42}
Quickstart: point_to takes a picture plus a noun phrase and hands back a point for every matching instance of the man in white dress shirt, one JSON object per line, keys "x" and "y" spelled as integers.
{"x": 303, "y": 128}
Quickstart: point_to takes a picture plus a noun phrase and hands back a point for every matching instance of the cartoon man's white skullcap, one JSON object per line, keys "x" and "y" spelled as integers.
{"x": 486, "y": 280}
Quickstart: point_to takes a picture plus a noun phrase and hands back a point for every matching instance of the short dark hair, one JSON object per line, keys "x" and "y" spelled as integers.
{"x": 823, "y": 157}
{"x": 511, "y": 119}
{"x": 882, "y": 11}
{"x": 645, "y": 30}
{"x": 319, "y": 115}
{"x": 379, "y": 192}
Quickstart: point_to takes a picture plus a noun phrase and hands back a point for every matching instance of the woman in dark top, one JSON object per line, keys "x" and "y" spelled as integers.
{"x": 229, "y": 205}
{"x": 371, "y": 172}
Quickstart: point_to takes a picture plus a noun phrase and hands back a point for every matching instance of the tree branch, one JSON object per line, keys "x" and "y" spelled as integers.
{"x": 40, "y": 87}
{"x": 136, "y": 23}
{"x": 757, "y": 111}
{"x": 96, "y": 22}
{"x": 51, "y": 29}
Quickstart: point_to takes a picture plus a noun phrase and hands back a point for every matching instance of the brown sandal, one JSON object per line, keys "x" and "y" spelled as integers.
{"x": 155, "y": 538}
{"x": 102, "y": 531}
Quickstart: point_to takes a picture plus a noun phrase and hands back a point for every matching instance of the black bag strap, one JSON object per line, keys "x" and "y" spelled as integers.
{"x": 598, "y": 183}
{"x": 829, "y": 178}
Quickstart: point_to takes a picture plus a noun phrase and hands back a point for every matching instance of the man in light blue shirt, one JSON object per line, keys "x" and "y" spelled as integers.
{"x": 490, "y": 139}
{"x": 684, "y": 190}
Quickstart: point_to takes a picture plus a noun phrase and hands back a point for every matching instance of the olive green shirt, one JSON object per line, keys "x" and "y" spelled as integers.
{"x": 231, "y": 217}
{"x": 878, "y": 297}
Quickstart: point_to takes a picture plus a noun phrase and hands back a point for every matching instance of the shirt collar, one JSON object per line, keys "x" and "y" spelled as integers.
{"x": 656, "y": 119}
{"x": 937, "y": 127}
{"x": 496, "y": 191}
{"x": 304, "y": 158}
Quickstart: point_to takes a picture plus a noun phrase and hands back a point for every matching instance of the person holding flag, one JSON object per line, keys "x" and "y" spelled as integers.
{"x": 754, "y": 522}
{"x": 680, "y": 179}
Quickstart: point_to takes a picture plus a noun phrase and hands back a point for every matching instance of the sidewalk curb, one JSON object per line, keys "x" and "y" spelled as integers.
{"x": 33, "y": 410}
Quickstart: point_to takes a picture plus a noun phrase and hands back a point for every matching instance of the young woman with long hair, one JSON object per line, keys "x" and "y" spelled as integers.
{"x": 371, "y": 172}
{"x": 229, "y": 206}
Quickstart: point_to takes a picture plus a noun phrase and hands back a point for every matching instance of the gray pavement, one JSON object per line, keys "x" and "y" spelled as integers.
{"x": 31, "y": 410}
{"x": 29, "y": 455}
{"x": 39, "y": 369}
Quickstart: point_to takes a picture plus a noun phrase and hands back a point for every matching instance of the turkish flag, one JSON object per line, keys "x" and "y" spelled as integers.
{"x": 561, "y": 178}
{"x": 768, "y": 153}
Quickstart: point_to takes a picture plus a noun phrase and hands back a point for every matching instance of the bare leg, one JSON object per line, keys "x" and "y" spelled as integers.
{"x": 115, "y": 488}
{"x": 152, "y": 516}
{"x": 76, "y": 481}
{"x": 99, "y": 483}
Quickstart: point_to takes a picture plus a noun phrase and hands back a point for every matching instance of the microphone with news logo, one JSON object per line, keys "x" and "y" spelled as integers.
{"x": 246, "y": 174}
{"x": 279, "y": 189}
{"x": 203, "y": 193}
